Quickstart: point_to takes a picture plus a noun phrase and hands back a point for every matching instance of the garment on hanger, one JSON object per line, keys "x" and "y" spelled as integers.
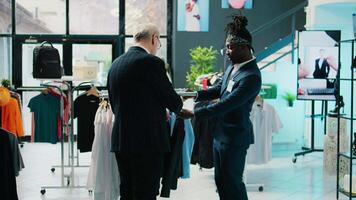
{"x": 265, "y": 121}
{"x": 11, "y": 118}
{"x": 188, "y": 144}
{"x": 85, "y": 107}
{"x": 203, "y": 145}
{"x": 66, "y": 111}
{"x": 8, "y": 188}
{"x": 173, "y": 160}
{"x": 46, "y": 109}
{"x": 103, "y": 172}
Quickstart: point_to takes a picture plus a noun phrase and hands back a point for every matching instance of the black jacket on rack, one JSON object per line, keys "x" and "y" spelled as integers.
{"x": 173, "y": 166}
{"x": 8, "y": 189}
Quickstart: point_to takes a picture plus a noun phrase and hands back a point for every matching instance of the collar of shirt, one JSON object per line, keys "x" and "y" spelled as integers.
{"x": 143, "y": 48}
{"x": 239, "y": 65}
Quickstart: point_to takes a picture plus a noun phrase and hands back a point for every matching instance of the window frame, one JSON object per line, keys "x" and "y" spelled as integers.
{"x": 67, "y": 40}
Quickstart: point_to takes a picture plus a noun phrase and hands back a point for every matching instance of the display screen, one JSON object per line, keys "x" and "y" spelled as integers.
{"x": 318, "y": 60}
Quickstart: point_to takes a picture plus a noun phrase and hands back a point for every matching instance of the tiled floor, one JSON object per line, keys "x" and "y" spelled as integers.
{"x": 304, "y": 180}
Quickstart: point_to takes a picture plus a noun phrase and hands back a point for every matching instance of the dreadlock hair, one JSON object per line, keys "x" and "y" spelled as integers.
{"x": 237, "y": 28}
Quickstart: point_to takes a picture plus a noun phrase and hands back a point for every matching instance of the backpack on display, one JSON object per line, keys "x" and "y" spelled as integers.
{"x": 46, "y": 61}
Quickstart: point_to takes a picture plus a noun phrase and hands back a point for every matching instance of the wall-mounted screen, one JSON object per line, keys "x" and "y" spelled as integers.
{"x": 237, "y": 4}
{"x": 318, "y": 59}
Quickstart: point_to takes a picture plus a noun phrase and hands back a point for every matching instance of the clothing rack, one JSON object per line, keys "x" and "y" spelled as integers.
{"x": 79, "y": 87}
{"x": 70, "y": 177}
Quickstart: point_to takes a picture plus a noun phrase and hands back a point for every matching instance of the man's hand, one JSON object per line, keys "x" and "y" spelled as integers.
{"x": 185, "y": 114}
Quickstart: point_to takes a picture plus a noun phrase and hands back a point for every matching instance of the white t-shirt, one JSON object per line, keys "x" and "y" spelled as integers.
{"x": 265, "y": 121}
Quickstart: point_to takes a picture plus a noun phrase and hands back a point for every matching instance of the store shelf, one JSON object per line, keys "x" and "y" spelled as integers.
{"x": 353, "y": 195}
{"x": 347, "y": 155}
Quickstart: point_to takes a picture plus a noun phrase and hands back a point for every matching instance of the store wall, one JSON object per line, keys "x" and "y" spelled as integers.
{"x": 262, "y": 12}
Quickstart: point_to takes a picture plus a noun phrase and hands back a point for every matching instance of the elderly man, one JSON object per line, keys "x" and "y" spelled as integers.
{"x": 140, "y": 93}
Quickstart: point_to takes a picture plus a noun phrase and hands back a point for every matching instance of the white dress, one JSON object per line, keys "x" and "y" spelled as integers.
{"x": 191, "y": 22}
{"x": 265, "y": 121}
{"x": 103, "y": 175}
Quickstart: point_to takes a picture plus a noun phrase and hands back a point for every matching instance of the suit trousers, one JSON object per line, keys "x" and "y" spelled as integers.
{"x": 140, "y": 175}
{"x": 229, "y": 163}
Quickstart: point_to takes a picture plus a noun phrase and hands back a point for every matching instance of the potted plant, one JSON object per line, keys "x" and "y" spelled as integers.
{"x": 202, "y": 62}
{"x": 289, "y": 97}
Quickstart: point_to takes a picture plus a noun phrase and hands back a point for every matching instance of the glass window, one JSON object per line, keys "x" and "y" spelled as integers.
{"x": 5, "y": 16}
{"x": 145, "y": 11}
{"x": 94, "y": 17}
{"x": 27, "y": 63}
{"x": 40, "y": 16}
{"x": 5, "y": 54}
{"x": 161, "y": 53}
{"x": 91, "y": 62}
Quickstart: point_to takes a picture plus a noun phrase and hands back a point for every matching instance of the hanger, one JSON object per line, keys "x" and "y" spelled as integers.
{"x": 104, "y": 104}
{"x": 93, "y": 91}
{"x": 259, "y": 101}
{"x": 45, "y": 91}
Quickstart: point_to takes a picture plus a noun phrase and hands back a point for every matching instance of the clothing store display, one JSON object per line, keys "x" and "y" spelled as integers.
{"x": 46, "y": 109}
{"x": 103, "y": 172}
{"x": 173, "y": 162}
{"x": 85, "y": 107}
{"x": 4, "y": 96}
{"x": 265, "y": 121}
{"x": 203, "y": 146}
{"x": 18, "y": 161}
{"x": 11, "y": 118}
{"x": 188, "y": 144}
{"x": 8, "y": 188}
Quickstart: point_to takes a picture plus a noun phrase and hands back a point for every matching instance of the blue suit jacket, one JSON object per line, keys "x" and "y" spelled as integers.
{"x": 233, "y": 110}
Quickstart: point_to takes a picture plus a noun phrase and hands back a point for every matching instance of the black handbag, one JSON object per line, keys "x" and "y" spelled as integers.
{"x": 46, "y": 62}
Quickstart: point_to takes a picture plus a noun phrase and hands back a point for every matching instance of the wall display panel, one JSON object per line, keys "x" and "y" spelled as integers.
{"x": 138, "y": 12}
{"x": 193, "y": 15}
{"x": 5, "y": 55}
{"x": 318, "y": 60}
{"x": 40, "y": 16}
{"x": 94, "y": 17}
{"x": 91, "y": 62}
{"x": 5, "y": 16}
{"x": 237, "y": 4}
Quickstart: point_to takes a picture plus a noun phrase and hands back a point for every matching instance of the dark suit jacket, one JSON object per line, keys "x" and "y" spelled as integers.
{"x": 139, "y": 93}
{"x": 233, "y": 125}
{"x": 321, "y": 71}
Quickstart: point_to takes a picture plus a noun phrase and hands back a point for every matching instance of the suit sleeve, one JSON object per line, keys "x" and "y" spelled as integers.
{"x": 163, "y": 88}
{"x": 248, "y": 88}
{"x": 210, "y": 94}
{"x": 111, "y": 101}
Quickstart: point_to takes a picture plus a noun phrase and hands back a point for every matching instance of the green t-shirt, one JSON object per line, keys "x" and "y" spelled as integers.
{"x": 46, "y": 110}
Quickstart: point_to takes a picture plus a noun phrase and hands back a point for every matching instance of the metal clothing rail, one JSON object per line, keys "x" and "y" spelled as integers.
{"x": 71, "y": 157}
{"x": 70, "y": 177}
